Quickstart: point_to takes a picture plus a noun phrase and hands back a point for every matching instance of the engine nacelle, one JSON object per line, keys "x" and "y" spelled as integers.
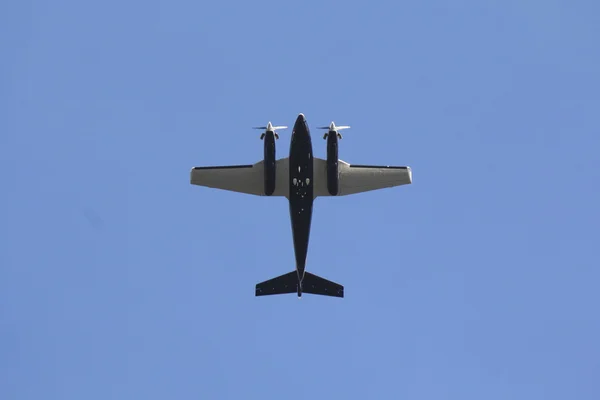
{"x": 333, "y": 136}
{"x": 269, "y": 136}
{"x": 269, "y": 162}
{"x": 332, "y": 164}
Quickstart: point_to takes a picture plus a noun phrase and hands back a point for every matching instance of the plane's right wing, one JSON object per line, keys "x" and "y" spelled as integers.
{"x": 355, "y": 178}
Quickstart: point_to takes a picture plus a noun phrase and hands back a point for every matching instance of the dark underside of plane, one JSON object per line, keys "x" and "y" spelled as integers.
{"x": 301, "y": 178}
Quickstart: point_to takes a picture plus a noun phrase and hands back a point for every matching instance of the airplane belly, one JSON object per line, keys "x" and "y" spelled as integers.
{"x": 301, "y": 196}
{"x": 301, "y": 216}
{"x": 301, "y": 199}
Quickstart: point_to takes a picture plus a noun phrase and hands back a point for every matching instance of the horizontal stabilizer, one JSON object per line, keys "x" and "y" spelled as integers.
{"x": 314, "y": 284}
{"x": 283, "y": 284}
{"x": 288, "y": 283}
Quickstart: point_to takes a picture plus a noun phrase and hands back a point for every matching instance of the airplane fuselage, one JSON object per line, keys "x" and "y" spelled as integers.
{"x": 301, "y": 192}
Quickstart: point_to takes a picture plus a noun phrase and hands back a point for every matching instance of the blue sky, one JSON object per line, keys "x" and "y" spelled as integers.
{"x": 120, "y": 280}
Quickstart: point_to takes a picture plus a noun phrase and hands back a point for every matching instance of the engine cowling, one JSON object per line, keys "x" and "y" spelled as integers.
{"x": 332, "y": 164}
{"x": 270, "y": 172}
{"x": 269, "y": 161}
{"x": 333, "y": 136}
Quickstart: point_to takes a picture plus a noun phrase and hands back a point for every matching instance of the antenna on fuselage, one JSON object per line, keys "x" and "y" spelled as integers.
{"x": 333, "y": 129}
{"x": 269, "y": 128}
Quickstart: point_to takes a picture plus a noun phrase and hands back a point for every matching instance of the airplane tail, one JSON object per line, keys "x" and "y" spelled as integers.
{"x": 288, "y": 283}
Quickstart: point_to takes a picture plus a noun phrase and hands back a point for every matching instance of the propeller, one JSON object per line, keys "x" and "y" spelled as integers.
{"x": 332, "y": 128}
{"x": 269, "y": 128}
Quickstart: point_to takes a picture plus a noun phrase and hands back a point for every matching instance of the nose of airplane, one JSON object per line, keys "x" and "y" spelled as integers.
{"x": 300, "y": 122}
{"x": 301, "y": 127}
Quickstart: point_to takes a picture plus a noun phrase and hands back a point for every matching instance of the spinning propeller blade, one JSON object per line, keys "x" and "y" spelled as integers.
{"x": 269, "y": 128}
{"x": 333, "y": 128}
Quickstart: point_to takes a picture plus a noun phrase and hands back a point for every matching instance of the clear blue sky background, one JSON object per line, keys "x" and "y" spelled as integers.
{"x": 120, "y": 280}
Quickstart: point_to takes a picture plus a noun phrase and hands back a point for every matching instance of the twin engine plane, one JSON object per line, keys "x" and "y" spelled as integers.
{"x": 301, "y": 178}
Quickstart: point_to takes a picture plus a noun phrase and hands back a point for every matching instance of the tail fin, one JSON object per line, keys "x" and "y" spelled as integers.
{"x": 288, "y": 283}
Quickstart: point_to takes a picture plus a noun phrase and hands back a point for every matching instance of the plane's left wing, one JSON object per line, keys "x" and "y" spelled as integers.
{"x": 355, "y": 178}
{"x": 248, "y": 179}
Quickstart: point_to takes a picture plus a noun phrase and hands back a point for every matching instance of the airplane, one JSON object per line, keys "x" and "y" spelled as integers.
{"x": 300, "y": 178}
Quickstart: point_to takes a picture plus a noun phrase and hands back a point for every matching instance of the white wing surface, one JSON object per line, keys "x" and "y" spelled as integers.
{"x": 248, "y": 179}
{"x": 355, "y": 178}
